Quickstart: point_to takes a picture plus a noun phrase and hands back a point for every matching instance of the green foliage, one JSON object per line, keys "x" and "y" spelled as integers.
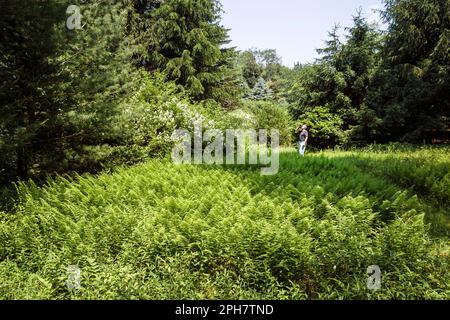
{"x": 68, "y": 83}
{"x": 74, "y": 100}
{"x": 161, "y": 231}
{"x": 250, "y": 68}
{"x": 263, "y": 74}
{"x": 26, "y": 111}
{"x": 339, "y": 82}
{"x": 324, "y": 127}
{"x": 271, "y": 115}
{"x": 318, "y": 85}
{"x": 158, "y": 108}
{"x": 184, "y": 41}
{"x": 240, "y": 119}
{"x": 423, "y": 170}
{"x": 260, "y": 91}
{"x": 78, "y": 102}
{"x": 411, "y": 88}
{"x": 384, "y": 87}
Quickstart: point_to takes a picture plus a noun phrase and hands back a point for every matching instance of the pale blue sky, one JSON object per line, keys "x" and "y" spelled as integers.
{"x": 294, "y": 27}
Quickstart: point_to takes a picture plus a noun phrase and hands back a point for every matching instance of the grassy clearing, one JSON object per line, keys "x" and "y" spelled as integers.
{"x": 160, "y": 231}
{"x": 422, "y": 171}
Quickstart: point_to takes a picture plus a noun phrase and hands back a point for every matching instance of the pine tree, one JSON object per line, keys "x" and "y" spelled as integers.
{"x": 340, "y": 80}
{"x": 28, "y": 108}
{"x": 63, "y": 84}
{"x": 333, "y": 46}
{"x": 411, "y": 91}
{"x": 185, "y": 41}
{"x": 261, "y": 91}
{"x": 357, "y": 60}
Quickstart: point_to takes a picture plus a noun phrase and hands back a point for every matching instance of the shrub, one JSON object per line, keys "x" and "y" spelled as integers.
{"x": 271, "y": 115}
{"x": 324, "y": 127}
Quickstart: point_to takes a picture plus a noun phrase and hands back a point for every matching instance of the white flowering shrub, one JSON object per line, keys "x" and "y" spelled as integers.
{"x": 241, "y": 119}
{"x": 144, "y": 128}
{"x": 149, "y": 118}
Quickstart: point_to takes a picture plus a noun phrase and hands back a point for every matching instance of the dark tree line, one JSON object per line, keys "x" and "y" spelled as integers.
{"x": 61, "y": 89}
{"x": 382, "y": 86}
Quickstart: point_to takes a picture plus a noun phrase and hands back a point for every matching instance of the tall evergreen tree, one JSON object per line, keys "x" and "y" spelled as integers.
{"x": 186, "y": 41}
{"x": 358, "y": 60}
{"x": 411, "y": 91}
{"x": 340, "y": 80}
{"x": 60, "y": 86}
{"x": 337, "y": 84}
{"x": 28, "y": 107}
{"x": 333, "y": 46}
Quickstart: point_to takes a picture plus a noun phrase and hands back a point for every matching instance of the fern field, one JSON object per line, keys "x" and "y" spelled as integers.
{"x": 161, "y": 231}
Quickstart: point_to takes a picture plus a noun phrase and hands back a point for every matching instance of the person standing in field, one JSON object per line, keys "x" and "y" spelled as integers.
{"x": 304, "y": 135}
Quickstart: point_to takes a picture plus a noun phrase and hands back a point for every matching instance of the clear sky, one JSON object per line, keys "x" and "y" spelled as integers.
{"x": 295, "y": 28}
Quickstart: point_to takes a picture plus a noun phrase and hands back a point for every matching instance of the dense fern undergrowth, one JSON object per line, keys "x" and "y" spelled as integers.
{"x": 161, "y": 231}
